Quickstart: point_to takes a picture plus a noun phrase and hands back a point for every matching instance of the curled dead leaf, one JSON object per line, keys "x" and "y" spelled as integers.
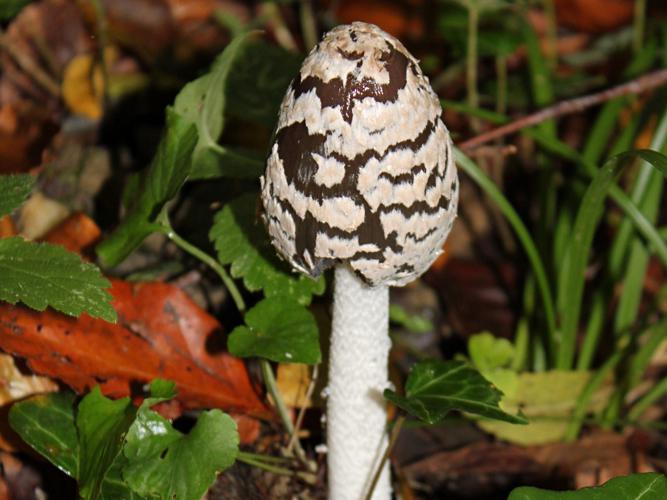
{"x": 161, "y": 332}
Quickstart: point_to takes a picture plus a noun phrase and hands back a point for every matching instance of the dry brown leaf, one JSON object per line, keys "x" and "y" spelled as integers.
{"x": 161, "y": 333}
{"x": 77, "y": 233}
{"x": 594, "y": 16}
{"x": 39, "y": 215}
{"x": 293, "y": 380}
{"x": 15, "y": 385}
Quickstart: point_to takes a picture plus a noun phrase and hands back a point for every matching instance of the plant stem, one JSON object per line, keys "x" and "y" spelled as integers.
{"x": 578, "y": 104}
{"x": 102, "y": 45}
{"x": 308, "y": 25}
{"x": 552, "y": 33}
{"x": 385, "y": 457}
{"x": 213, "y": 264}
{"x": 262, "y": 464}
{"x": 638, "y": 25}
{"x": 281, "y": 407}
{"x": 267, "y": 371}
{"x": 471, "y": 59}
{"x": 655, "y": 393}
{"x": 299, "y": 419}
{"x": 501, "y": 94}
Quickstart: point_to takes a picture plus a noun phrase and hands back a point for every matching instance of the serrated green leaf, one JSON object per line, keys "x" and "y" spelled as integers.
{"x": 42, "y": 275}
{"x": 9, "y": 8}
{"x": 164, "y": 463}
{"x": 647, "y": 486}
{"x": 280, "y": 330}
{"x": 46, "y": 422}
{"x": 434, "y": 388}
{"x": 102, "y": 424}
{"x": 14, "y": 189}
{"x": 241, "y": 240}
{"x": 167, "y": 173}
{"x": 204, "y": 102}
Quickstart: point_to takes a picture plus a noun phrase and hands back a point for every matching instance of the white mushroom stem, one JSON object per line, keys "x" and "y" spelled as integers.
{"x": 358, "y": 373}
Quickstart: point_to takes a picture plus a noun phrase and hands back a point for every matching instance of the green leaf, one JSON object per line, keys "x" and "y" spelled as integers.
{"x": 14, "y": 189}
{"x": 164, "y": 463}
{"x": 258, "y": 80}
{"x": 280, "y": 330}
{"x": 204, "y": 102}
{"x": 647, "y": 486}
{"x": 46, "y": 422}
{"x": 168, "y": 172}
{"x": 588, "y": 217}
{"x": 102, "y": 424}
{"x": 242, "y": 241}
{"x": 42, "y": 275}
{"x": 9, "y": 8}
{"x": 434, "y": 388}
{"x": 412, "y": 322}
{"x": 225, "y": 161}
{"x": 547, "y": 400}
{"x": 489, "y": 353}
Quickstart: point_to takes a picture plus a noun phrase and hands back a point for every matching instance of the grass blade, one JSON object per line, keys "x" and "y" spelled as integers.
{"x": 586, "y": 222}
{"x": 544, "y": 288}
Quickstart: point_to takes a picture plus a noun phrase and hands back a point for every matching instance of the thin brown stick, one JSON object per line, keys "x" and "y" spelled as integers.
{"x": 390, "y": 446}
{"x": 576, "y": 105}
{"x": 294, "y": 438}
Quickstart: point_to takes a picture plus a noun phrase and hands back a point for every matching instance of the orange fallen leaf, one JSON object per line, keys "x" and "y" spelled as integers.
{"x": 161, "y": 332}
{"x": 77, "y": 233}
{"x": 7, "y": 227}
{"x": 594, "y": 16}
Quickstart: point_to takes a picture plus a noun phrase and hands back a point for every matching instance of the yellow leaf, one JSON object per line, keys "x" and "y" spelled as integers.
{"x": 293, "y": 381}
{"x": 83, "y": 86}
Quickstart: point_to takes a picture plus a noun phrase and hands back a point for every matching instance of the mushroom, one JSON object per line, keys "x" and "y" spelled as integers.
{"x": 360, "y": 176}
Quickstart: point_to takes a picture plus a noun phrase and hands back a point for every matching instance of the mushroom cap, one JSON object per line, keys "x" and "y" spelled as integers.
{"x": 361, "y": 169}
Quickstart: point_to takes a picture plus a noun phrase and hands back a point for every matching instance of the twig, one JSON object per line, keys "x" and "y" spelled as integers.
{"x": 283, "y": 412}
{"x": 294, "y": 439}
{"x": 392, "y": 441}
{"x": 576, "y": 105}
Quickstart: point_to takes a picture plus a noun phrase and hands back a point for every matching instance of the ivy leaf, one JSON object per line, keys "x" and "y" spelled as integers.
{"x": 242, "y": 241}
{"x": 42, "y": 275}
{"x": 434, "y": 388}
{"x": 203, "y": 102}
{"x": 647, "y": 486}
{"x": 168, "y": 172}
{"x": 102, "y": 424}
{"x": 279, "y": 330}
{"x": 14, "y": 189}
{"x": 46, "y": 422}
{"x": 162, "y": 462}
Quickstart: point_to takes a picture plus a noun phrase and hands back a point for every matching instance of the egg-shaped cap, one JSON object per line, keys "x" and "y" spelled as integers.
{"x": 361, "y": 169}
